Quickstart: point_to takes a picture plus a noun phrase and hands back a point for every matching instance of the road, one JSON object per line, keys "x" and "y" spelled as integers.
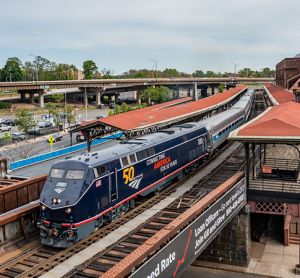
{"x": 44, "y": 167}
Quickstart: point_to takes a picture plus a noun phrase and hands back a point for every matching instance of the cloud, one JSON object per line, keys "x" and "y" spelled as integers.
{"x": 248, "y": 32}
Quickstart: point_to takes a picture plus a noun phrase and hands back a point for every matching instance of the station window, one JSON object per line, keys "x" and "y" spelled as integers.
{"x": 102, "y": 170}
{"x": 132, "y": 158}
{"x": 125, "y": 161}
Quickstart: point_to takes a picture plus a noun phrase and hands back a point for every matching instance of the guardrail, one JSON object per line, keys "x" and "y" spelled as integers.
{"x": 21, "y": 193}
{"x": 54, "y": 154}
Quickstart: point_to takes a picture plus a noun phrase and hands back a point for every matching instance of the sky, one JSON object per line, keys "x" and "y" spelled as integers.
{"x": 129, "y": 34}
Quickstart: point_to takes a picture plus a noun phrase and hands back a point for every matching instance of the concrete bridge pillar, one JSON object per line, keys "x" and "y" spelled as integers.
{"x": 85, "y": 98}
{"x": 195, "y": 91}
{"x": 233, "y": 245}
{"x": 138, "y": 97}
{"x": 31, "y": 97}
{"x": 23, "y": 96}
{"x": 98, "y": 98}
{"x": 41, "y": 99}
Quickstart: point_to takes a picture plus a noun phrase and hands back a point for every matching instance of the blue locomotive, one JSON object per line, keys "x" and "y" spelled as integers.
{"x": 82, "y": 193}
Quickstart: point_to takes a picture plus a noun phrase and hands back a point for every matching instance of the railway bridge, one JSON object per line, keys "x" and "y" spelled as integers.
{"x": 98, "y": 87}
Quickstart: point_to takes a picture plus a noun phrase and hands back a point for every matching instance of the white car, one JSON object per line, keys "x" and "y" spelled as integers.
{"x": 4, "y": 127}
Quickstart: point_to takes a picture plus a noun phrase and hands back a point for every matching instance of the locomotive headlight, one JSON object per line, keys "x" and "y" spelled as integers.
{"x": 68, "y": 210}
{"x": 43, "y": 207}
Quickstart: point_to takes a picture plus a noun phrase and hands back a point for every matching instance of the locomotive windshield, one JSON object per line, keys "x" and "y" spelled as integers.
{"x": 57, "y": 173}
{"x": 75, "y": 174}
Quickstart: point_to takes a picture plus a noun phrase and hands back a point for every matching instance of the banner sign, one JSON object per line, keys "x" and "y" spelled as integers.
{"x": 181, "y": 251}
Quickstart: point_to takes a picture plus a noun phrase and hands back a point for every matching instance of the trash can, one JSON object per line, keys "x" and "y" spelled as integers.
{"x": 60, "y": 126}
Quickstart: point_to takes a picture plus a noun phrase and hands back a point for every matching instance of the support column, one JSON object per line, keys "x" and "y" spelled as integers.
{"x": 85, "y": 98}
{"x": 31, "y": 97}
{"x": 233, "y": 244}
{"x": 195, "y": 91}
{"x": 247, "y": 155}
{"x": 41, "y": 99}
{"x": 138, "y": 97}
{"x": 23, "y": 96}
{"x": 98, "y": 99}
{"x": 212, "y": 90}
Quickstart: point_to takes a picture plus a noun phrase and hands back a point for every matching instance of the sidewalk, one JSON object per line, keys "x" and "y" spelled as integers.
{"x": 269, "y": 259}
{"x": 276, "y": 259}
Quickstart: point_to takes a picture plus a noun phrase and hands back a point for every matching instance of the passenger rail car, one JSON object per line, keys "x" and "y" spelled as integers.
{"x": 83, "y": 192}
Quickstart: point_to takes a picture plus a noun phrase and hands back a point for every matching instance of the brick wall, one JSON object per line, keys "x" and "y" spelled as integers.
{"x": 286, "y": 69}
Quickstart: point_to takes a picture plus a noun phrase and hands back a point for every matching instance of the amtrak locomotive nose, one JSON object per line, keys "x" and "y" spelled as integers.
{"x": 64, "y": 186}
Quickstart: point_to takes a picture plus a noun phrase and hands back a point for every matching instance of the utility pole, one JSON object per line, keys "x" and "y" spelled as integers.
{"x": 155, "y": 63}
{"x": 234, "y": 70}
{"x": 36, "y": 67}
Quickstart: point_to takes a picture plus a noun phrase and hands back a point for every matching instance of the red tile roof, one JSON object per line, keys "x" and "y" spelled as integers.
{"x": 152, "y": 115}
{"x": 280, "y": 122}
{"x": 279, "y": 94}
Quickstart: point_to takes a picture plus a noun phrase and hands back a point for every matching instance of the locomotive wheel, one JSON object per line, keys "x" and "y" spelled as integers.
{"x": 125, "y": 207}
{"x": 99, "y": 222}
{"x": 118, "y": 212}
{"x": 132, "y": 203}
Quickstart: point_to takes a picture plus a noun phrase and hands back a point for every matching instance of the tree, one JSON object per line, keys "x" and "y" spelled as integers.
{"x": 156, "y": 94}
{"x": 12, "y": 70}
{"x": 25, "y": 120}
{"x": 89, "y": 69}
{"x": 198, "y": 73}
{"x": 70, "y": 114}
{"x": 53, "y": 109}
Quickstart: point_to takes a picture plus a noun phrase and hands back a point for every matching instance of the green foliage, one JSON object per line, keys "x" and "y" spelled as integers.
{"x": 25, "y": 120}
{"x": 89, "y": 69}
{"x": 58, "y": 98}
{"x": 70, "y": 114}
{"x": 111, "y": 112}
{"x": 265, "y": 72}
{"x": 12, "y": 70}
{"x": 221, "y": 88}
{"x": 4, "y": 105}
{"x": 6, "y": 137}
{"x": 156, "y": 94}
{"x": 53, "y": 109}
{"x": 124, "y": 107}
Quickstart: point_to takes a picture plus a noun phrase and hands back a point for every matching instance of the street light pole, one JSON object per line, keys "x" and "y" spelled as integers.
{"x": 36, "y": 67}
{"x": 155, "y": 62}
{"x": 234, "y": 70}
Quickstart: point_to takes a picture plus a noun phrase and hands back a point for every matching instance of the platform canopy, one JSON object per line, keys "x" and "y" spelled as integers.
{"x": 278, "y": 124}
{"x": 159, "y": 114}
{"x": 278, "y": 95}
{"x": 149, "y": 119}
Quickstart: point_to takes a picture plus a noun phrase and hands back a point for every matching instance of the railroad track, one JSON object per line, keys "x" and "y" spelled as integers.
{"x": 40, "y": 259}
{"x": 103, "y": 261}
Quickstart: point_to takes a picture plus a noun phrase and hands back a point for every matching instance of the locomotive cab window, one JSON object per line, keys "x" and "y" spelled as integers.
{"x": 102, "y": 170}
{"x": 125, "y": 161}
{"x": 132, "y": 158}
{"x": 75, "y": 174}
{"x": 57, "y": 173}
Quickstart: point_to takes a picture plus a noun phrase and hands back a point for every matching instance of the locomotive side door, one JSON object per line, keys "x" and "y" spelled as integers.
{"x": 113, "y": 186}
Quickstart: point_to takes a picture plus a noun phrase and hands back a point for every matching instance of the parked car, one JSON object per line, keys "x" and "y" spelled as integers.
{"x": 10, "y": 122}
{"x": 4, "y": 127}
{"x": 56, "y": 137}
{"x": 18, "y": 136}
{"x": 44, "y": 124}
{"x": 99, "y": 117}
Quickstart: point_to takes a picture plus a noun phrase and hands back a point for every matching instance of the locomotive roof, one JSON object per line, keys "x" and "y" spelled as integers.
{"x": 143, "y": 142}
